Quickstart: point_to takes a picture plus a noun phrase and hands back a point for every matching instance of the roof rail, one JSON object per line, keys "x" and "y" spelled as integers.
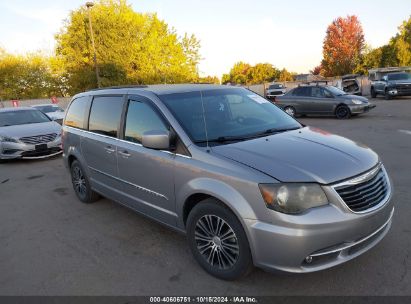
{"x": 120, "y": 87}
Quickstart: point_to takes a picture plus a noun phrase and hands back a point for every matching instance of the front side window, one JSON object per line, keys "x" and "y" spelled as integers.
{"x": 105, "y": 115}
{"x": 22, "y": 117}
{"x": 317, "y": 92}
{"x": 76, "y": 112}
{"x": 141, "y": 117}
{"x": 223, "y": 114}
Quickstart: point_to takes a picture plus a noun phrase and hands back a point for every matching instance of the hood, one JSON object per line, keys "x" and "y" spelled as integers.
{"x": 31, "y": 129}
{"x": 304, "y": 155}
{"x": 363, "y": 99}
{"x": 404, "y": 81}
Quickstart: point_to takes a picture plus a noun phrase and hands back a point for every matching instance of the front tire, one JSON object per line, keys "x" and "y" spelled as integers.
{"x": 342, "y": 112}
{"x": 81, "y": 184}
{"x": 373, "y": 93}
{"x": 387, "y": 95}
{"x": 290, "y": 111}
{"x": 218, "y": 241}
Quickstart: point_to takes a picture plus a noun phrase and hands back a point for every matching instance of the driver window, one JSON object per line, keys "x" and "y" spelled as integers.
{"x": 141, "y": 118}
{"x": 317, "y": 92}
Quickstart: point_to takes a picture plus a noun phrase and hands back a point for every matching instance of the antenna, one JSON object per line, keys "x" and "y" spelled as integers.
{"x": 205, "y": 123}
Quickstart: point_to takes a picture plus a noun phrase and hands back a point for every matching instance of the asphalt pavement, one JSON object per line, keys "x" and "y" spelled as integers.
{"x": 51, "y": 244}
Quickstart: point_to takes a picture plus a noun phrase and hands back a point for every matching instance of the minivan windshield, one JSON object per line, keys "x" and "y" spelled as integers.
{"x": 22, "y": 117}
{"x": 227, "y": 115}
{"x": 399, "y": 76}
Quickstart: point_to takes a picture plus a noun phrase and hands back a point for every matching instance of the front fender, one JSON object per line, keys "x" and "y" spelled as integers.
{"x": 218, "y": 189}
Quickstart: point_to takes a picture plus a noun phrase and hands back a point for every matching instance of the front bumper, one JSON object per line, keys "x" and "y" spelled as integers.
{"x": 321, "y": 237}
{"x": 359, "y": 109}
{"x": 11, "y": 150}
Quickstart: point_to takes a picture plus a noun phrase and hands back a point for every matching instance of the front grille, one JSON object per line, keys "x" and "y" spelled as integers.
{"x": 275, "y": 93}
{"x": 366, "y": 191}
{"x": 403, "y": 88}
{"x": 39, "y": 139}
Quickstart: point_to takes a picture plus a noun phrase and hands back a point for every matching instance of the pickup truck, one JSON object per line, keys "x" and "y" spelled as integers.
{"x": 392, "y": 85}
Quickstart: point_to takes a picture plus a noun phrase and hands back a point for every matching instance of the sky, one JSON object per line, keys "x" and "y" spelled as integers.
{"x": 288, "y": 34}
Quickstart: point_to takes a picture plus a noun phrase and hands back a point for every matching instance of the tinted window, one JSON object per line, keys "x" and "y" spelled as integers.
{"x": 275, "y": 86}
{"x": 400, "y": 76}
{"x": 234, "y": 112}
{"x": 141, "y": 117}
{"x": 317, "y": 92}
{"x": 76, "y": 112}
{"x": 49, "y": 109}
{"x": 302, "y": 91}
{"x": 22, "y": 117}
{"x": 105, "y": 115}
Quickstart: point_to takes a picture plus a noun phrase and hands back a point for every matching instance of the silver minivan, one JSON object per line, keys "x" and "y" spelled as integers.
{"x": 248, "y": 184}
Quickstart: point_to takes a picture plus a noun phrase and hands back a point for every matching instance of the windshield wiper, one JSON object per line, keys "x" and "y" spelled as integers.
{"x": 223, "y": 139}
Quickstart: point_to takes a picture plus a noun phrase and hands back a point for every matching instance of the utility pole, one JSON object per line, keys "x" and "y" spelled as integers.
{"x": 89, "y": 5}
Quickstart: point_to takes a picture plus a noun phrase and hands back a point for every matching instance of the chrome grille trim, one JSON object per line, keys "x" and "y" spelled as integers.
{"x": 38, "y": 139}
{"x": 366, "y": 192}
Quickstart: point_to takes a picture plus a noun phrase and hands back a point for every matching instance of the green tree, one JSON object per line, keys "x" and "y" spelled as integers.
{"x": 209, "y": 79}
{"x": 131, "y": 47}
{"x": 27, "y": 76}
{"x": 285, "y": 76}
{"x": 402, "y": 43}
{"x": 262, "y": 72}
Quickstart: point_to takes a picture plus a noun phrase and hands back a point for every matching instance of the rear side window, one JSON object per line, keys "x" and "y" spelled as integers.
{"x": 302, "y": 91}
{"x": 76, "y": 112}
{"x": 141, "y": 118}
{"x": 105, "y": 115}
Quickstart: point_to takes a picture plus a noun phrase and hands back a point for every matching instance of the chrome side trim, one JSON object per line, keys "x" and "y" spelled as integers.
{"x": 343, "y": 247}
{"x": 131, "y": 184}
{"x": 122, "y": 140}
{"x": 368, "y": 175}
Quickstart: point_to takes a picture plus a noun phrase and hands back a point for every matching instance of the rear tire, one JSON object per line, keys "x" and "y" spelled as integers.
{"x": 290, "y": 111}
{"x": 373, "y": 93}
{"x": 81, "y": 184}
{"x": 218, "y": 241}
{"x": 342, "y": 112}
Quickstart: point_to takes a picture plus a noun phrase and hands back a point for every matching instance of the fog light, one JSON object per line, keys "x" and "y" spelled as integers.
{"x": 309, "y": 259}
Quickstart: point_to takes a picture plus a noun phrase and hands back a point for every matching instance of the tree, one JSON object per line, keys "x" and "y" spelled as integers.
{"x": 131, "y": 47}
{"x": 262, "y": 72}
{"x": 343, "y": 45}
{"x": 209, "y": 79}
{"x": 316, "y": 70}
{"x": 286, "y": 76}
{"x": 402, "y": 43}
{"x": 244, "y": 74}
{"x": 27, "y": 76}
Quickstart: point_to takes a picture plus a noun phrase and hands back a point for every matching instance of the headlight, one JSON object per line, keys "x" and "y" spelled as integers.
{"x": 356, "y": 101}
{"x": 8, "y": 139}
{"x": 292, "y": 198}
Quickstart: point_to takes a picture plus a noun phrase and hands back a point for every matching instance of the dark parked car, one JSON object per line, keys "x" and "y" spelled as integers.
{"x": 392, "y": 85}
{"x": 322, "y": 100}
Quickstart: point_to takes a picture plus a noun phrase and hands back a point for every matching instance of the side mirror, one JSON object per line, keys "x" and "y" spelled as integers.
{"x": 156, "y": 139}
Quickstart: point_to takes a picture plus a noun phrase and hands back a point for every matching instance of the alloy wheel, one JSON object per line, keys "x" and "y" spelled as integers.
{"x": 79, "y": 181}
{"x": 216, "y": 242}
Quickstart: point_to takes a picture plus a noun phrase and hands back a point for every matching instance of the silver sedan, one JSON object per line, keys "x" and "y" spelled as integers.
{"x": 28, "y": 133}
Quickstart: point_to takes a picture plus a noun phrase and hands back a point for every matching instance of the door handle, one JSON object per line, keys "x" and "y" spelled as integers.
{"x": 110, "y": 149}
{"x": 124, "y": 154}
